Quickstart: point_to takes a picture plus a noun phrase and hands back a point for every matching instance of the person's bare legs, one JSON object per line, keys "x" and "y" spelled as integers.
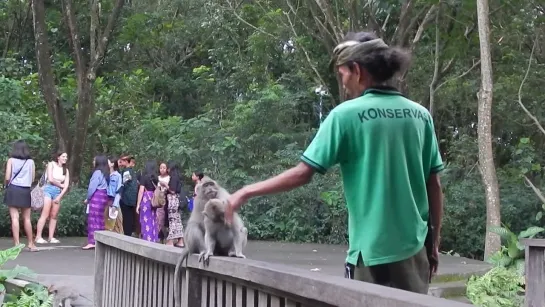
{"x": 14, "y": 214}
{"x": 53, "y": 220}
{"x": 43, "y": 218}
{"x": 27, "y": 224}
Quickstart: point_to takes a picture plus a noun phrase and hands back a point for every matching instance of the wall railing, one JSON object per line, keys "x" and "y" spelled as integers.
{"x": 130, "y": 272}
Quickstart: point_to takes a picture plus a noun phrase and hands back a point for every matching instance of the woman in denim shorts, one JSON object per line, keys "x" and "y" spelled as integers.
{"x": 55, "y": 188}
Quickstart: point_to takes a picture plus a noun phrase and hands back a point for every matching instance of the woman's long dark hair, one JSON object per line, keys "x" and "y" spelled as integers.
{"x": 151, "y": 172}
{"x": 114, "y": 160}
{"x": 20, "y": 150}
{"x": 175, "y": 183}
{"x": 101, "y": 164}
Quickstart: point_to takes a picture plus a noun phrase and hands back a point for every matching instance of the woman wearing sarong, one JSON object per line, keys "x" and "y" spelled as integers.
{"x": 114, "y": 223}
{"x": 97, "y": 199}
{"x": 164, "y": 178}
{"x": 175, "y": 227}
{"x": 148, "y": 216}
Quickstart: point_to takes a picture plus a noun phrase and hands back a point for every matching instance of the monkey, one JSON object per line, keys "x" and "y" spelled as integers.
{"x": 220, "y": 238}
{"x": 194, "y": 231}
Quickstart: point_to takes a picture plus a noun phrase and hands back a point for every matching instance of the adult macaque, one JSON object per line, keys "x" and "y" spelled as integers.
{"x": 194, "y": 232}
{"x": 220, "y": 238}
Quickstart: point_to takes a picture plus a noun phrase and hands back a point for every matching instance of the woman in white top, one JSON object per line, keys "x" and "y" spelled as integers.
{"x": 164, "y": 178}
{"x": 57, "y": 184}
{"x": 20, "y": 172}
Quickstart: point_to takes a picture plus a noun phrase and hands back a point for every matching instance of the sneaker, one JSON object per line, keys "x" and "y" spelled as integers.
{"x": 41, "y": 241}
{"x": 54, "y": 241}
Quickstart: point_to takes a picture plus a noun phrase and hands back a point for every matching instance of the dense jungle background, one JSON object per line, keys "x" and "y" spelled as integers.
{"x": 236, "y": 88}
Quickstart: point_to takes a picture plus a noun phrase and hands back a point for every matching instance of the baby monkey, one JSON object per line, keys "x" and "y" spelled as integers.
{"x": 221, "y": 239}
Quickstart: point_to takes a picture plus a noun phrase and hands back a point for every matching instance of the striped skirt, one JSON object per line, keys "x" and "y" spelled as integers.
{"x": 95, "y": 218}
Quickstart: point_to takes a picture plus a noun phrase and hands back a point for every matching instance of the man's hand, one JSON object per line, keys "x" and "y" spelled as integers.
{"x": 235, "y": 201}
{"x": 85, "y": 201}
{"x": 57, "y": 200}
{"x": 434, "y": 263}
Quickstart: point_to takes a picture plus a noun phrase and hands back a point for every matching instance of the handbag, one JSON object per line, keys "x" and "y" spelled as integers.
{"x": 159, "y": 199}
{"x": 37, "y": 195}
{"x": 9, "y": 182}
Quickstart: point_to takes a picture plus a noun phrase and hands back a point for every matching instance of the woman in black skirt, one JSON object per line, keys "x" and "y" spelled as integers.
{"x": 20, "y": 172}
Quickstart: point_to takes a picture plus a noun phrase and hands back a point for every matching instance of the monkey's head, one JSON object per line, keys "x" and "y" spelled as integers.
{"x": 208, "y": 188}
{"x": 215, "y": 210}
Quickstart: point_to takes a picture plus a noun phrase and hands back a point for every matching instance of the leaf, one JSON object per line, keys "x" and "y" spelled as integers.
{"x": 531, "y": 232}
{"x": 10, "y": 253}
{"x": 504, "y": 233}
{"x": 524, "y": 140}
{"x": 16, "y": 271}
{"x": 539, "y": 215}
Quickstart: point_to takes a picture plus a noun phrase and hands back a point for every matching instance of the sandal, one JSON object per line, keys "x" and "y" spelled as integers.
{"x": 54, "y": 241}
{"x": 32, "y": 249}
{"x": 88, "y": 247}
{"x": 41, "y": 241}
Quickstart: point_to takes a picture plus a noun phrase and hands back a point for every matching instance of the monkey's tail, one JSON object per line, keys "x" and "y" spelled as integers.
{"x": 177, "y": 286}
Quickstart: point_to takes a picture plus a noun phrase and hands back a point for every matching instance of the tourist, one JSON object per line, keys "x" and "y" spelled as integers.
{"x": 389, "y": 158}
{"x": 20, "y": 173}
{"x": 97, "y": 199}
{"x": 129, "y": 193}
{"x": 196, "y": 177}
{"x": 164, "y": 178}
{"x": 175, "y": 227}
{"x": 112, "y": 213}
{"x": 148, "y": 217}
{"x": 56, "y": 186}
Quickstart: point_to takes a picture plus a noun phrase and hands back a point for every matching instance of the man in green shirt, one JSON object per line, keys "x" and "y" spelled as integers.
{"x": 386, "y": 147}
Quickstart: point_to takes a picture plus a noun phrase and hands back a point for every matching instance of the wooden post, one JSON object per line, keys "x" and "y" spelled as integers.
{"x": 191, "y": 288}
{"x": 535, "y": 272}
{"x": 100, "y": 254}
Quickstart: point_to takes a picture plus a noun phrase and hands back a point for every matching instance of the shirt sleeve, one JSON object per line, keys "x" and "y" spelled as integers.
{"x": 93, "y": 184}
{"x": 112, "y": 185}
{"x": 431, "y": 156}
{"x": 325, "y": 149}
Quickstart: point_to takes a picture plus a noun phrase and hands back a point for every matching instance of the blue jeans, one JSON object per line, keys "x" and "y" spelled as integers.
{"x": 51, "y": 191}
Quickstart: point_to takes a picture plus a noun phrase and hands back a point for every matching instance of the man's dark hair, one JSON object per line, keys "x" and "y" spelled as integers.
{"x": 20, "y": 150}
{"x": 382, "y": 64}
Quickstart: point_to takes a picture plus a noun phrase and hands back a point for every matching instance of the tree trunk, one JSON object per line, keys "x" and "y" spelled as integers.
{"x": 46, "y": 76}
{"x": 486, "y": 158}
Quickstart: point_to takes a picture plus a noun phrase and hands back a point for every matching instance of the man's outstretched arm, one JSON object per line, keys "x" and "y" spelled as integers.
{"x": 293, "y": 178}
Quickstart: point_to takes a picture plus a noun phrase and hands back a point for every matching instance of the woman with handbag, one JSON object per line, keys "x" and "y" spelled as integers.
{"x": 58, "y": 180}
{"x": 175, "y": 227}
{"x": 147, "y": 213}
{"x": 20, "y": 172}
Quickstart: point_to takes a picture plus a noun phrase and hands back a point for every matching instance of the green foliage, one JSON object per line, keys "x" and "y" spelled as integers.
{"x": 499, "y": 287}
{"x": 511, "y": 254}
{"x": 33, "y": 295}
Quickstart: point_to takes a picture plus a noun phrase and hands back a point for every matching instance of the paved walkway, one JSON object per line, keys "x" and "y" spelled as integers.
{"x": 67, "y": 264}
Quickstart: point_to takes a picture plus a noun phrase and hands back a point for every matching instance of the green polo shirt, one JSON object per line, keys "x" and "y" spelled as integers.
{"x": 387, "y": 148}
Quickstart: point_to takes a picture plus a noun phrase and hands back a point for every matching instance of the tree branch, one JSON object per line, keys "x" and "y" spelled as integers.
{"x": 102, "y": 44}
{"x": 70, "y": 17}
{"x": 532, "y": 117}
{"x": 460, "y": 76}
